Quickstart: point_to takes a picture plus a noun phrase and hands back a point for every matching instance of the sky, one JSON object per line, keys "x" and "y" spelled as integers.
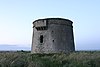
{"x": 16, "y": 17}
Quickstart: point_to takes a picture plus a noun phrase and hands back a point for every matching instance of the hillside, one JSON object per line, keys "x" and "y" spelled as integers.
{"x": 74, "y": 59}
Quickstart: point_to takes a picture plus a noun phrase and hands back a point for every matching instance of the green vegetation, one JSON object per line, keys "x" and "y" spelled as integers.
{"x": 74, "y": 59}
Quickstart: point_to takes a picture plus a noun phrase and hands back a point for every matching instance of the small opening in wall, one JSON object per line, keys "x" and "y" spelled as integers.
{"x": 41, "y": 28}
{"x": 53, "y": 40}
{"x": 41, "y": 38}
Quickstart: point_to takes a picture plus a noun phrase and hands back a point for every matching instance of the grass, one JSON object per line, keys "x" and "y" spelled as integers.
{"x": 74, "y": 59}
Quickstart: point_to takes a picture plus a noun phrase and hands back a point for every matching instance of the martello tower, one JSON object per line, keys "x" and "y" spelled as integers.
{"x": 52, "y": 35}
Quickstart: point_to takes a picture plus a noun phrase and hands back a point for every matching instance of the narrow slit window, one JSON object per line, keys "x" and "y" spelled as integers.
{"x": 41, "y": 38}
{"x": 53, "y": 40}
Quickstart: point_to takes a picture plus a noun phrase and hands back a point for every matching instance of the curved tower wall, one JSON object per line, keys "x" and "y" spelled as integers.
{"x": 52, "y": 35}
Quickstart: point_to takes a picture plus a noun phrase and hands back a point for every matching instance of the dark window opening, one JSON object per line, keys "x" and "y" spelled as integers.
{"x": 53, "y": 40}
{"x": 41, "y": 38}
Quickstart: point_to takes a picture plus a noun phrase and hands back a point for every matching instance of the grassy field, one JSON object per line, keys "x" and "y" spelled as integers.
{"x": 74, "y": 59}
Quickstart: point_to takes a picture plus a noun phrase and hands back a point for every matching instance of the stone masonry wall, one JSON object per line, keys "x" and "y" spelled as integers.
{"x": 57, "y": 36}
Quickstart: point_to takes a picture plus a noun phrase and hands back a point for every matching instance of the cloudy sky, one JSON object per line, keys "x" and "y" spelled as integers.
{"x": 16, "y": 17}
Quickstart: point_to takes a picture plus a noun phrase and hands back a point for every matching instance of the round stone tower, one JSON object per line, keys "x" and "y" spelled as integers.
{"x": 52, "y": 35}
